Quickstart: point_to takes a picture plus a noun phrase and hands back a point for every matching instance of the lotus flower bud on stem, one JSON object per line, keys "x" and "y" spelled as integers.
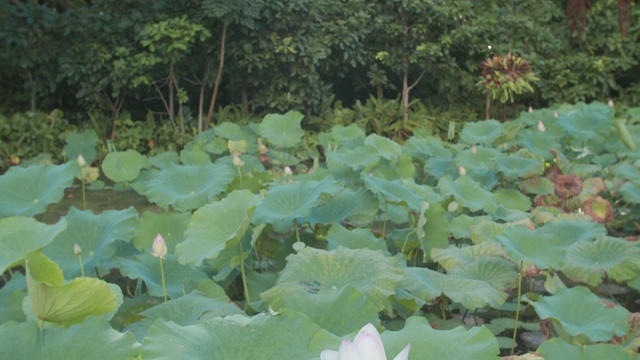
{"x": 474, "y": 150}
{"x": 611, "y": 102}
{"x": 541, "y": 127}
{"x": 76, "y": 249}
{"x": 530, "y": 109}
{"x": 462, "y": 170}
{"x": 555, "y": 114}
{"x": 287, "y": 170}
{"x": 159, "y": 247}
{"x": 237, "y": 162}
{"x": 367, "y": 345}
{"x": 81, "y": 161}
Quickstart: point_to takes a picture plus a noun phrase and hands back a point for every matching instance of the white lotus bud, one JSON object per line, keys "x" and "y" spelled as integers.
{"x": 81, "y": 161}
{"x": 474, "y": 150}
{"x": 541, "y": 127}
{"x": 76, "y": 249}
{"x": 462, "y": 171}
{"x": 237, "y": 162}
{"x": 287, "y": 170}
{"x": 555, "y": 114}
{"x": 530, "y": 109}
{"x": 611, "y": 102}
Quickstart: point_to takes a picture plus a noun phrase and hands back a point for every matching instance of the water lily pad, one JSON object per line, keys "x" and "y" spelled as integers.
{"x": 430, "y": 344}
{"x": 581, "y": 313}
{"x": 425, "y": 148}
{"x": 557, "y": 348}
{"x": 472, "y": 294}
{"x": 21, "y": 235}
{"x": 590, "y": 261}
{"x": 313, "y": 271}
{"x": 188, "y": 187}
{"x": 29, "y": 191}
{"x": 283, "y": 130}
{"x": 468, "y": 193}
{"x": 538, "y": 143}
{"x": 286, "y": 203}
{"x": 95, "y": 234}
{"x": 170, "y": 225}
{"x": 434, "y": 229}
{"x": 65, "y": 303}
{"x": 357, "y": 159}
{"x": 122, "y": 166}
{"x": 94, "y": 338}
{"x": 481, "y": 132}
{"x": 215, "y": 225}
{"x": 283, "y": 336}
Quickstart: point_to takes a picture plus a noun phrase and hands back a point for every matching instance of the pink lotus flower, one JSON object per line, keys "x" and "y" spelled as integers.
{"x": 366, "y": 346}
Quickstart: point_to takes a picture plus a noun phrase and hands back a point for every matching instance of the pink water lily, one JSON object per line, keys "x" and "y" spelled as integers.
{"x": 366, "y": 346}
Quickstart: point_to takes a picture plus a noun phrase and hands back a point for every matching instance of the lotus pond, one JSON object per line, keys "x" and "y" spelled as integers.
{"x": 273, "y": 244}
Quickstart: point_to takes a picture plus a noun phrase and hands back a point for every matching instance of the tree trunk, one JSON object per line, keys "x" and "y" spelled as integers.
{"x": 170, "y": 80}
{"x": 405, "y": 96}
{"x": 245, "y": 99}
{"x": 624, "y": 17}
{"x": 216, "y": 84}
{"x": 487, "y": 111}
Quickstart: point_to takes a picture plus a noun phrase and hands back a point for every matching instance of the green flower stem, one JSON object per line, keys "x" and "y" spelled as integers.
{"x": 164, "y": 288}
{"x": 515, "y": 327}
{"x": 247, "y": 299}
{"x": 295, "y": 224}
{"x": 384, "y": 222}
{"x": 84, "y": 198}
{"x": 240, "y": 175}
{"x": 81, "y": 265}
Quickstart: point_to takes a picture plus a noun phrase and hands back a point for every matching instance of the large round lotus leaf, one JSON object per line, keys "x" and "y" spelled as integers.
{"x": 438, "y": 167}
{"x": 512, "y": 199}
{"x": 188, "y": 187}
{"x": 460, "y": 225}
{"x": 11, "y": 299}
{"x": 83, "y": 143}
{"x": 229, "y": 130}
{"x": 29, "y": 191}
{"x": 468, "y": 193}
{"x": 338, "y": 236}
{"x": 95, "y": 234}
{"x": 590, "y": 261}
{"x": 482, "y": 158}
{"x": 65, "y": 304}
{"x": 359, "y": 207}
{"x": 339, "y": 311}
{"x": 626, "y": 171}
{"x": 122, "y": 166}
{"x": 177, "y": 277}
{"x": 215, "y": 225}
{"x": 286, "y": 203}
{"x": 630, "y": 192}
{"x": 194, "y": 157}
{"x": 357, "y": 159}
{"x": 170, "y": 225}
{"x": 498, "y": 272}
{"x": 538, "y": 143}
{"x": 513, "y": 167}
{"x": 386, "y": 148}
{"x": 94, "y": 338}
{"x": 425, "y": 148}
{"x": 581, "y": 313}
{"x": 347, "y": 135}
{"x": 472, "y": 294}
{"x": 430, "y": 344}
{"x": 283, "y": 130}
{"x": 587, "y": 121}
{"x": 392, "y": 191}
{"x": 546, "y": 250}
{"x": 481, "y": 132}
{"x": 269, "y": 337}
{"x": 313, "y": 271}
{"x": 454, "y": 256}
{"x": 161, "y": 160}
{"x": 21, "y": 235}
{"x": 557, "y": 348}
{"x": 570, "y": 231}
{"x": 536, "y": 185}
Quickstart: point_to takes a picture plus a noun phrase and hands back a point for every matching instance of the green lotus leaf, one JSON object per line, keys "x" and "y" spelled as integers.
{"x": 177, "y": 277}
{"x": 70, "y": 303}
{"x": 95, "y": 234}
{"x": 626, "y": 171}
{"x": 425, "y": 148}
{"x": 185, "y": 310}
{"x": 536, "y": 185}
{"x": 170, "y": 225}
{"x": 587, "y": 122}
{"x": 589, "y": 262}
{"x": 228, "y": 130}
{"x": 570, "y": 231}
{"x": 435, "y": 230}
{"x": 282, "y": 158}
{"x": 392, "y": 191}
{"x": 544, "y": 249}
{"x": 283, "y": 336}
{"x": 497, "y": 271}
{"x": 194, "y": 157}
{"x": 29, "y": 191}
{"x": 481, "y": 132}
{"x": 557, "y": 348}
{"x": 630, "y": 192}
{"x": 486, "y": 230}
{"x": 513, "y": 167}
{"x": 538, "y": 143}
{"x": 430, "y": 344}
{"x": 188, "y": 187}
{"x": 423, "y": 192}
{"x": 123, "y": 166}
{"x": 440, "y": 167}
{"x": 581, "y": 313}
{"x": 161, "y": 160}
{"x": 214, "y": 226}
{"x": 216, "y": 146}
{"x": 346, "y": 135}
{"x": 468, "y": 193}
{"x": 512, "y": 199}
{"x": 283, "y": 130}
{"x": 21, "y": 235}
{"x": 94, "y": 338}
{"x": 454, "y": 256}
{"x": 12, "y": 296}
{"x": 83, "y": 143}
{"x": 357, "y": 159}
{"x": 314, "y": 271}
{"x": 339, "y": 311}
{"x": 482, "y": 158}
{"x": 472, "y": 294}
{"x": 359, "y": 207}
{"x": 338, "y": 236}
{"x": 385, "y": 147}
{"x": 286, "y": 203}
{"x": 461, "y": 225}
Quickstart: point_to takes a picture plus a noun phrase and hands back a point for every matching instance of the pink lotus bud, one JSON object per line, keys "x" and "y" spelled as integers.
{"x": 81, "y": 161}
{"x": 555, "y": 114}
{"x": 611, "y": 102}
{"x": 462, "y": 171}
{"x": 159, "y": 247}
{"x": 530, "y": 109}
{"x": 474, "y": 150}
{"x": 541, "y": 127}
{"x": 287, "y": 170}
